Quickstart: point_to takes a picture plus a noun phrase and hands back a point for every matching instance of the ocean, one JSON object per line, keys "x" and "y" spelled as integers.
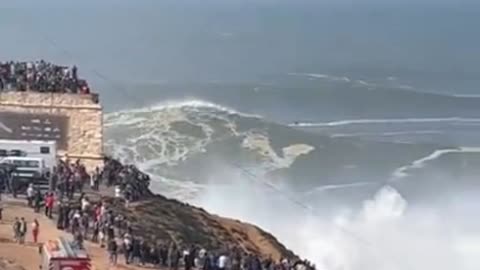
{"x": 347, "y": 129}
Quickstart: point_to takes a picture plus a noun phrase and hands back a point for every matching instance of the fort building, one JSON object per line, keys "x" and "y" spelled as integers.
{"x": 74, "y": 121}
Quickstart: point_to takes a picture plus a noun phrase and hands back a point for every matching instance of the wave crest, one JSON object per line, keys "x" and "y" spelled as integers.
{"x": 187, "y": 132}
{"x": 386, "y": 121}
{"x": 185, "y": 104}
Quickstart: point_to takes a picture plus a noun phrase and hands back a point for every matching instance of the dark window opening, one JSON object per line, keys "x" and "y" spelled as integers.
{"x": 45, "y": 150}
{"x": 16, "y": 153}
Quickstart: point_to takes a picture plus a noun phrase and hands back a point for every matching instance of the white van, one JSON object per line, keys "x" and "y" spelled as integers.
{"x": 47, "y": 150}
{"x": 26, "y": 167}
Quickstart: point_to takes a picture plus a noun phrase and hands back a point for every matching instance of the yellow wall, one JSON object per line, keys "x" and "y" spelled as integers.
{"x": 85, "y": 127}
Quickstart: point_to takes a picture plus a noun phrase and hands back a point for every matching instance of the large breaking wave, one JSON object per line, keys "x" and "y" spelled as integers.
{"x": 183, "y": 141}
{"x": 169, "y": 139}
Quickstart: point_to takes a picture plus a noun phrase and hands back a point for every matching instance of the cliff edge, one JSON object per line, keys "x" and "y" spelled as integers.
{"x": 166, "y": 219}
{"x": 157, "y": 218}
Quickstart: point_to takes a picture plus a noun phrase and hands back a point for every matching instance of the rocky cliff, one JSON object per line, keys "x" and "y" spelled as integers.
{"x": 160, "y": 218}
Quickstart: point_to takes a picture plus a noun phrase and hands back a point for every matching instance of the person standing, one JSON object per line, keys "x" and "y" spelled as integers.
{"x": 95, "y": 231}
{"x": 92, "y": 181}
{"x": 127, "y": 247}
{"x": 49, "y": 202}
{"x": 118, "y": 191}
{"x": 143, "y": 251}
{"x": 75, "y": 224}
{"x": 163, "y": 254}
{"x": 112, "y": 251}
{"x": 173, "y": 256}
{"x": 189, "y": 258}
{"x": 84, "y": 204}
{"x": 96, "y": 178}
{"x": 37, "y": 201}
{"x": 222, "y": 261}
{"x": 35, "y": 230}
{"x": 101, "y": 235}
{"x": 23, "y": 230}
{"x": 78, "y": 239}
{"x": 74, "y": 74}
{"x": 30, "y": 195}
{"x": 53, "y": 179}
{"x": 135, "y": 250}
{"x": 199, "y": 261}
{"x": 16, "y": 230}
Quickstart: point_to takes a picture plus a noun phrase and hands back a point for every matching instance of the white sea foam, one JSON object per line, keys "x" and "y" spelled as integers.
{"x": 420, "y": 163}
{"x": 378, "y": 237}
{"x": 150, "y": 129}
{"x": 386, "y": 234}
{"x": 367, "y": 84}
{"x": 323, "y": 76}
{"x": 386, "y": 134}
{"x": 466, "y": 95}
{"x": 405, "y": 87}
{"x": 188, "y": 103}
{"x": 260, "y": 144}
{"x": 385, "y": 121}
{"x": 153, "y": 142}
{"x": 333, "y": 78}
{"x": 324, "y": 188}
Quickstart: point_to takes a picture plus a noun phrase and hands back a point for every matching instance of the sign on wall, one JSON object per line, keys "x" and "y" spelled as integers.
{"x": 24, "y": 126}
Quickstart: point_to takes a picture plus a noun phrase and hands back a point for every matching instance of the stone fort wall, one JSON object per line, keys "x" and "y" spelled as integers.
{"x": 83, "y": 128}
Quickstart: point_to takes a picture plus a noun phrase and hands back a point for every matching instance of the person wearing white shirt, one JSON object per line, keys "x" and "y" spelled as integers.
{"x": 103, "y": 210}
{"x": 200, "y": 259}
{"x": 30, "y": 194}
{"x": 92, "y": 180}
{"x": 118, "y": 191}
{"x": 222, "y": 262}
{"x": 77, "y": 215}
{"x": 85, "y": 204}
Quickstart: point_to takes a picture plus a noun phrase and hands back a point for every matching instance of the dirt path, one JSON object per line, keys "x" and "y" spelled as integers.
{"x": 27, "y": 255}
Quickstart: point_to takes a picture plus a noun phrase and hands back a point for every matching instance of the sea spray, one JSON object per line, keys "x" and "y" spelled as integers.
{"x": 386, "y": 233}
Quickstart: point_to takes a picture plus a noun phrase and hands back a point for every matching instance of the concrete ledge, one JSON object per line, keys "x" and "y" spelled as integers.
{"x": 68, "y": 107}
{"x": 49, "y": 99}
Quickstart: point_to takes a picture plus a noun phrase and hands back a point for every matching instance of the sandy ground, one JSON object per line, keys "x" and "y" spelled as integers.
{"x": 27, "y": 255}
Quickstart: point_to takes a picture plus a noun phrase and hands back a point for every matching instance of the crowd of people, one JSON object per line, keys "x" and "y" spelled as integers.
{"x": 100, "y": 224}
{"x": 20, "y": 229}
{"x": 40, "y": 76}
{"x": 96, "y": 221}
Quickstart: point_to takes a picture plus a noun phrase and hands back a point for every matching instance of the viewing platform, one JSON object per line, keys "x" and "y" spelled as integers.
{"x": 73, "y": 120}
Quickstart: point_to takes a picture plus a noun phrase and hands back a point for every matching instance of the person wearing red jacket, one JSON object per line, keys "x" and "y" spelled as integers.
{"x": 35, "y": 230}
{"x": 49, "y": 202}
{"x": 98, "y": 212}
